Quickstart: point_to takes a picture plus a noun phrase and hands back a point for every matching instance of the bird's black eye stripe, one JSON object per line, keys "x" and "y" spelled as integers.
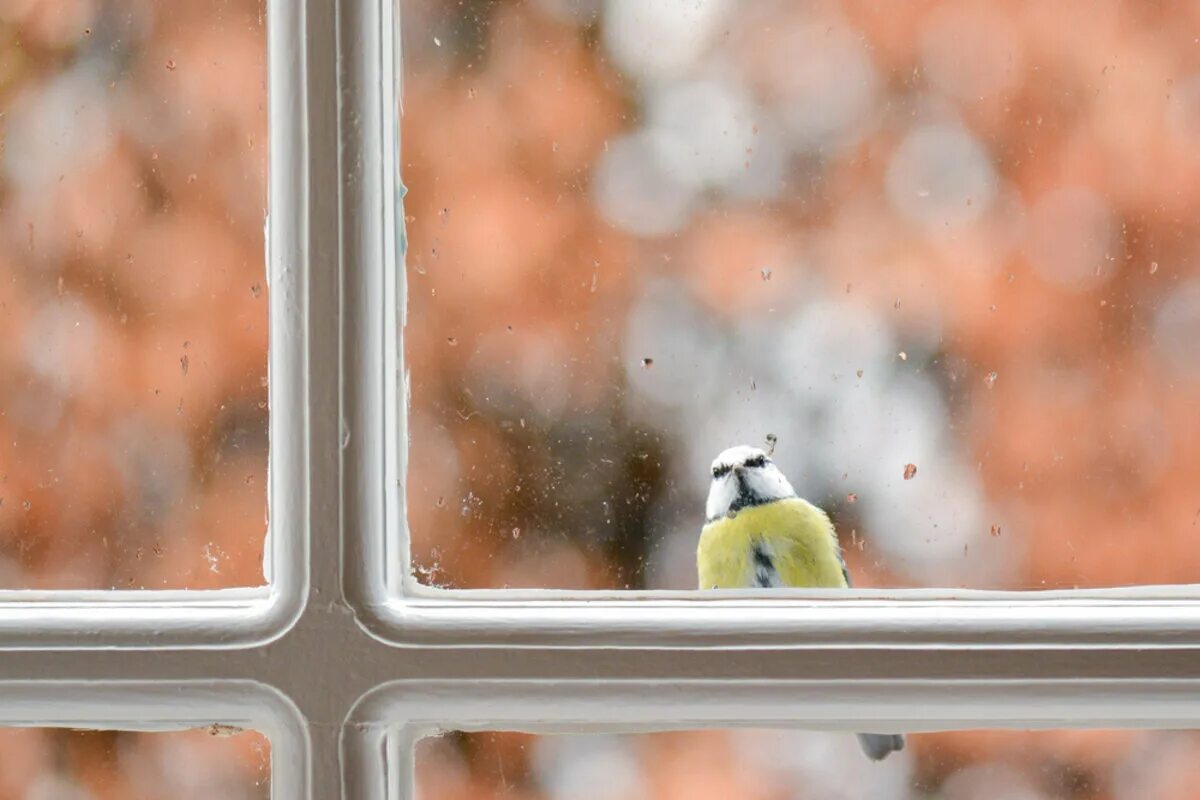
{"x": 756, "y": 461}
{"x": 721, "y": 470}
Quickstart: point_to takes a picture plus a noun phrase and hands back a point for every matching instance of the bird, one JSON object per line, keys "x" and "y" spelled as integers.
{"x": 758, "y": 533}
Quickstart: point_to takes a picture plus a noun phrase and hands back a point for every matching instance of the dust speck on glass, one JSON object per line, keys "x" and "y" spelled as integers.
{"x": 945, "y": 253}
{"x": 133, "y": 315}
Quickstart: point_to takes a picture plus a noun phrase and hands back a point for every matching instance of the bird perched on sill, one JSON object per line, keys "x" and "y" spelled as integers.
{"x": 758, "y": 534}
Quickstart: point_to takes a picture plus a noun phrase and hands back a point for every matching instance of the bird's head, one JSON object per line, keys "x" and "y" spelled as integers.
{"x": 741, "y": 477}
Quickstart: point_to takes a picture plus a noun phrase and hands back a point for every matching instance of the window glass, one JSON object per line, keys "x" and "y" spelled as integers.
{"x": 787, "y": 765}
{"x": 133, "y": 300}
{"x": 943, "y": 254}
{"x": 55, "y": 764}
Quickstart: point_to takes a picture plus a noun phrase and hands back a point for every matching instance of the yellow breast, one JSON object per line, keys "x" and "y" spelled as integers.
{"x": 785, "y": 543}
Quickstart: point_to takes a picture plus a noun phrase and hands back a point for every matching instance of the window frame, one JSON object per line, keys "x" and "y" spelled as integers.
{"x": 394, "y": 607}
{"x": 161, "y": 706}
{"x": 378, "y": 743}
{"x": 242, "y": 616}
{"x": 330, "y": 633}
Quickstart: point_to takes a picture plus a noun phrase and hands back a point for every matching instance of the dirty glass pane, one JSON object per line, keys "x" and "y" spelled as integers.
{"x": 804, "y": 765}
{"x": 133, "y": 303}
{"x": 56, "y": 764}
{"x": 945, "y": 253}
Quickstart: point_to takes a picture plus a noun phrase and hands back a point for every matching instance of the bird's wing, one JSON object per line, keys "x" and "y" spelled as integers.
{"x": 804, "y": 548}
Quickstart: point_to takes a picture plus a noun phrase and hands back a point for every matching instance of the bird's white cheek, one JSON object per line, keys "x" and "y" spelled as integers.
{"x": 720, "y": 497}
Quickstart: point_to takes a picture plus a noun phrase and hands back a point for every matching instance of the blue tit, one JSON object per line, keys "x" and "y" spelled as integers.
{"x": 758, "y": 534}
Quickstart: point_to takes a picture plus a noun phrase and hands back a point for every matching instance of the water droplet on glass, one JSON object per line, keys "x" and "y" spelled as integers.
{"x": 903, "y": 355}
{"x": 516, "y": 533}
{"x": 772, "y": 440}
{"x": 437, "y": 41}
{"x": 1153, "y": 267}
{"x": 647, "y": 363}
{"x": 990, "y": 379}
{"x": 170, "y": 63}
{"x": 766, "y": 273}
{"x": 450, "y": 340}
{"x": 995, "y": 530}
{"x": 27, "y": 505}
{"x": 910, "y": 471}
{"x": 256, "y": 290}
{"x": 851, "y": 497}
{"x": 859, "y": 373}
{"x": 183, "y": 364}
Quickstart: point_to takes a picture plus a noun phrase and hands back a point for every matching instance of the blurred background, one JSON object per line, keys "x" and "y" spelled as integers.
{"x": 133, "y": 301}
{"x": 802, "y": 765}
{"x": 956, "y": 235}
{"x": 53, "y": 764}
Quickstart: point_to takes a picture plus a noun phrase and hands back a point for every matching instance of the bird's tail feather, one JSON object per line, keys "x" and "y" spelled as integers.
{"x": 877, "y": 746}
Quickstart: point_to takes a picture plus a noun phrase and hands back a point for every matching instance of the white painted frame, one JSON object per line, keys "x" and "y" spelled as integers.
{"x": 395, "y": 607}
{"x": 228, "y": 617}
{"x": 379, "y": 743}
{"x": 339, "y": 646}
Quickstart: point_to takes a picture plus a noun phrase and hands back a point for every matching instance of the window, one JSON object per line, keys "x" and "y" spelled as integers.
{"x": 925, "y": 164}
{"x": 343, "y": 660}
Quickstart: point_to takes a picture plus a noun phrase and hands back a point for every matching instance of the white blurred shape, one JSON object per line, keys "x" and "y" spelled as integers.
{"x": 828, "y": 765}
{"x": 636, "y": 190}
{"x": 711, "y": 127}
{"x": 588, "y": 767}
{"x": 60, "y": 343}
{"x": 1071, "y": 238}
{"x": 56, "y": 129}
{"x": 1159, "y": 765}
{"x": 671, "y": 562}
{"x": 689, "y": 353}
{"x": 940, "y": 176}
{"x": 970, "y": 51}
{"x": 1177, "y": 330}
{"x": 660, "y": 40}
{"x": 824, "y": 82}
{"x": 829, "y": 336}
{"x": 989, "y": 782}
